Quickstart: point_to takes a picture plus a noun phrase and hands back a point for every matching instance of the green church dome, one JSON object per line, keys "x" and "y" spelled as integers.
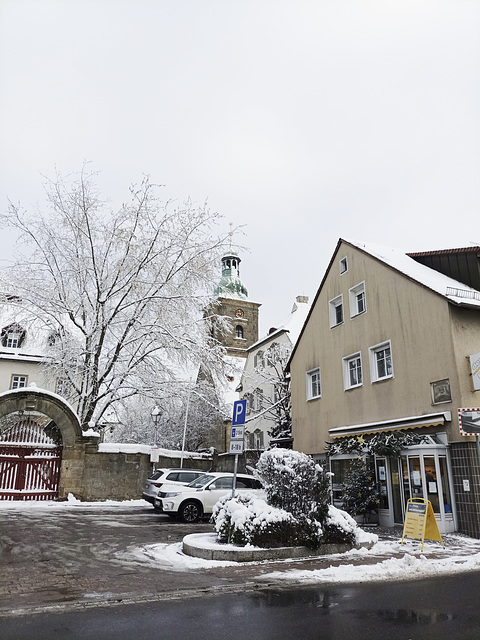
{"x": 230, "y": 284}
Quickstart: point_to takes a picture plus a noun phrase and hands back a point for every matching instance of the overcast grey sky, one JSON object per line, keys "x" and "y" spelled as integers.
{"x": 303, "y": 120}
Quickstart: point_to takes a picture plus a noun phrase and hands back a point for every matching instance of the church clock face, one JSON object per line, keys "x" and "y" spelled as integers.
{"x": 239, "y": 313}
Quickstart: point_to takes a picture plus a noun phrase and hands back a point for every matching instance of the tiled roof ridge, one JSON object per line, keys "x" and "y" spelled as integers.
{"x": 442, "y": 252}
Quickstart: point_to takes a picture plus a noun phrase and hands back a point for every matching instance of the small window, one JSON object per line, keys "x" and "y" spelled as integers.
{"x": 313, "y": 384}
{"x": 13, "y": 336}
{"x": 343, "y": 266}
{"x": 258, "y": 400}
{"x": 258, "y": 439}
{"x": 18, "y": 382}
{"x": 259, "y": 361}
{"x": 273, "y": 354}
{"x": 336, "y": 311}
{"x": 239, "y": 331}
{"x": 358, "y": 302}
{"x": 249, "y": 398}
{"x": 352, "y": 371}
{"x": 381, "y": 366}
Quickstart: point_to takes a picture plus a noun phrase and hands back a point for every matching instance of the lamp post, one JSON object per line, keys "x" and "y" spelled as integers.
{"x": 155, "y": 416}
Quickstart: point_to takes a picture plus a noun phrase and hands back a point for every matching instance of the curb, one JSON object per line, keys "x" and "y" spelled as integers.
{"x": 205, "y": 546}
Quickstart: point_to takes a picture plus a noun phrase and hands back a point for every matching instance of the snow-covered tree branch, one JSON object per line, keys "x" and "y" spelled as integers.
{"x": 123, "y": 292}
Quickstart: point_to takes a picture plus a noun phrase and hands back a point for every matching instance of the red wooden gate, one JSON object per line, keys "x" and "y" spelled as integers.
{"x": 29, "y": 463}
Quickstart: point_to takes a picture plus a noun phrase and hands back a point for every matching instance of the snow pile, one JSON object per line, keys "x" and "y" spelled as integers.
{"x": 407, "y": 568}
{"x": 343, "y": 521}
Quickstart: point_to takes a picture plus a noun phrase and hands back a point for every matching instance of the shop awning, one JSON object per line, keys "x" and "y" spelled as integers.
{"x": 416, "y": 422}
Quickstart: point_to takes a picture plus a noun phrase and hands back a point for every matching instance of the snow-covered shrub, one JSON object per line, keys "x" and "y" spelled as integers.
{"x": 246, "y": 519}
{"x": 296, "y": 512}
{"x": 294, "y": 482}
{"x": 339, "y": 527}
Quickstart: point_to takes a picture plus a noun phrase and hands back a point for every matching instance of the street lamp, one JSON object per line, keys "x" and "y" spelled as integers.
{"x": 155, "y": 416}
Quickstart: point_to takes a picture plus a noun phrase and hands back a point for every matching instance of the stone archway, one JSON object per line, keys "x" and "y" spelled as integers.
{"x": 75, "y": 444}
{"x": 50, "y": 404}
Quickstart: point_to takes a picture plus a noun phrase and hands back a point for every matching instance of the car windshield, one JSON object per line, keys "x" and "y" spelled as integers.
{"x": 201, "y": 482}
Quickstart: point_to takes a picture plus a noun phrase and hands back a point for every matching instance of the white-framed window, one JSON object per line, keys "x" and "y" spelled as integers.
{"x": 249, "y": 398}
{"x": 381, "y": 366}
{"x": 335, "y": 309}
{"x": 352, "y": 371}
{"x": 273, "y": 354}
{"x": 18, "y": 381}
{"x": 258, "y": 400}
{"x": 358, "y": 302}
{"x": 343, "y": 266}
{"x": 259, "y": 360}
{"x": 313, "y": 384}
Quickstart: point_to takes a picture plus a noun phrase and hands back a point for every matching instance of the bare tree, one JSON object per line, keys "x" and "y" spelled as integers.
{"x": 270, "y": 395}
{"x": 122, "y": 292}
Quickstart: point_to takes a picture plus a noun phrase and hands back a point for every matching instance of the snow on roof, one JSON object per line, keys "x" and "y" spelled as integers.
{"x": 453, "y": 290}
{"x": 293, "y": 324}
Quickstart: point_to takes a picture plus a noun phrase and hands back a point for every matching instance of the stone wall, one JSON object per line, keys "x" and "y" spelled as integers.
{"x": 94, "y": 476}
{"x": 91, "y": 475}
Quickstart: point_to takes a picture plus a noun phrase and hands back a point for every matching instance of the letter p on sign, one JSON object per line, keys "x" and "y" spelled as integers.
{"x": 239, "y": 412}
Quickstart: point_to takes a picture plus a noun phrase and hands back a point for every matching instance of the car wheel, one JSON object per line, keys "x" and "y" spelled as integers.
{"x": 190, "y": 511}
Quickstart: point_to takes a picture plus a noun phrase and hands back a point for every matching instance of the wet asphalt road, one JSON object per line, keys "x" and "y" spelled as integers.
{"x": 433, "y": 609}
{"x": 71, "y": 573}
{"x": 80, "y": 555}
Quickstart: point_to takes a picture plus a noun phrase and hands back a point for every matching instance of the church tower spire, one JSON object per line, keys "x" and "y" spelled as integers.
{"x": 233, "y": 302}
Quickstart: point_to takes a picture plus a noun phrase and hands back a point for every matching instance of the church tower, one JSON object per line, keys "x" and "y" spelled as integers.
{"x": 233, "y": 303}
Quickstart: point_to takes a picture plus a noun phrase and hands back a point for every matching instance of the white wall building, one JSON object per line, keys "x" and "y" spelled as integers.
{"x": 263, "y": 372}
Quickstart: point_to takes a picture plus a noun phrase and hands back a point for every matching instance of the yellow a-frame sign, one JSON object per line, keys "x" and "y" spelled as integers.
{"x": 420, "y": 522}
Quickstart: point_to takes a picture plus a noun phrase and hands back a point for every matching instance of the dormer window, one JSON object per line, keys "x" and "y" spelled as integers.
{"x": 13, "y": 336}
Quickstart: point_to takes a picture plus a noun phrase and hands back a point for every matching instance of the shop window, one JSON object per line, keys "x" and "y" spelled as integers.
{"x": 447, "y": 499}
{"x": 381, "y": 467}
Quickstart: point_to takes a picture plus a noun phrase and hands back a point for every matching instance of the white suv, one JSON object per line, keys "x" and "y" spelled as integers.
{"x": 196, "y": 500}
{"x": 161, "y": 476}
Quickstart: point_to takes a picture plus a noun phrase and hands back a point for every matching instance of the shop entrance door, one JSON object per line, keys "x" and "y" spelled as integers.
{"x": 418, "y": 473}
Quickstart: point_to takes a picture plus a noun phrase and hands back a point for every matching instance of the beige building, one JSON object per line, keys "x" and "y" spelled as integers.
{"x": 389, "y": 346}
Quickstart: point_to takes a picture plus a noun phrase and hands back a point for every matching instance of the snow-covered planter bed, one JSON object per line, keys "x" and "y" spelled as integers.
{"x": 295, "y": 514}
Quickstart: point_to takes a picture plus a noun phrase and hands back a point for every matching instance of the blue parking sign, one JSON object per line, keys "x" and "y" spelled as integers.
{"x": 239, "y": 412}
